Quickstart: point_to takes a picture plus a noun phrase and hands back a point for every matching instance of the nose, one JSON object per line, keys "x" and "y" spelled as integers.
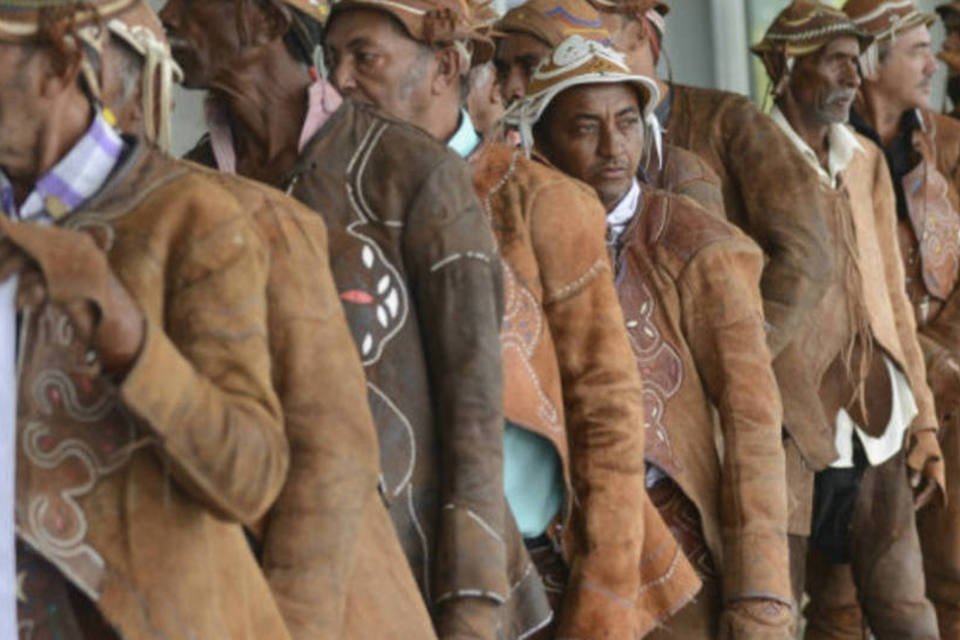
{"x": 342, "y": 74}
{"x": 851, "y": 75}
{"x": 612, "y": 142}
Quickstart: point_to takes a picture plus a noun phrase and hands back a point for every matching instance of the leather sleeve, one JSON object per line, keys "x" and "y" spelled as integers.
{"x": 202, "y": 380}
{"x": 723, "y": 325}
{"x": 457, "y": 285}
{"x": 603, "y": 411}
{"x": 781, "y": 210}
{"x": 903, "y": 314}
{"x": 310, "y": 540}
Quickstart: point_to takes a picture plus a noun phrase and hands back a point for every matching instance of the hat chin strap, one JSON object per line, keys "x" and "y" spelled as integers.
{"x": 160, "y": 71}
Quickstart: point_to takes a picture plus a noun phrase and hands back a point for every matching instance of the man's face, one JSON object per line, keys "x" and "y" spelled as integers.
{"x": 518, "y": 55}
{"x": 905, "y": 73}
{"x": 595, "y": 133}
{"x": 372, "y": 60}
{"x": 825, "y": 83}
{"x": 203, "y": 37}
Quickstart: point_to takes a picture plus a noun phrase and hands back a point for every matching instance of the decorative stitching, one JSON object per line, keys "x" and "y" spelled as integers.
{"x": 568, "y": 290}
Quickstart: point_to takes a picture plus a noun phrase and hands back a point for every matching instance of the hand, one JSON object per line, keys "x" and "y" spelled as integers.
{"x": 468, "y": 618}
{"x": 925, "y": 467}
{"x": 66, "y": 268}
{"x": 757, "y": 619}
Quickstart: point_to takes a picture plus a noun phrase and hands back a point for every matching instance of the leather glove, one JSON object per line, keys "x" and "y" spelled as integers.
{"x": 925, "y": 467}
{"x": 68, "y": 269}
{"x": 468, "y": 619}
{"x": 757, "y": 619}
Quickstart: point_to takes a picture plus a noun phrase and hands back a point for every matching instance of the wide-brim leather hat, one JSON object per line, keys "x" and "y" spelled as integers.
{"x": 431, "y": 22}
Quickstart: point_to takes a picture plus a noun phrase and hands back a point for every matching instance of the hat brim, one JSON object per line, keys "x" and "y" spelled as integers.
{"x": 483, "y": 48}
{"x": 538, "y": 104}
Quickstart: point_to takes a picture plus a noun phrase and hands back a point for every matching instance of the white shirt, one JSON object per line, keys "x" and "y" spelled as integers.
{"x": 623, "y": 212}
{"x": 842, "y": 146}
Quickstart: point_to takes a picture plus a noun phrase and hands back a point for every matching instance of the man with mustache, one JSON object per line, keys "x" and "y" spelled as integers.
{"x": 874, "y": 392}
{"x": 528, "y": 33}
{"x": 688, "y": 286}
{"x": 416, "y": 269}
{"x": 573, "y": 442}
{"x": 762, "y": 188}
{"x": 922, "y": 150}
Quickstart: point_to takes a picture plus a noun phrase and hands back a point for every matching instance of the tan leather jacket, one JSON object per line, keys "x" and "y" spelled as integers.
{"x": 867, "y": 259}
{"x": 135, "y": 492}
{"x": 764, "y": 183}
{"x": 417, "y": 271}
{"x": 686, "y": 174}
{"x": 689, "y": 286}
{"x": 327, "y": 544}
{"x": 572, "y": 380}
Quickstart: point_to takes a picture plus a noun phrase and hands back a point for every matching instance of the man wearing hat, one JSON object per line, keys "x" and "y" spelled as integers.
{"x": 922, "y": 150}
{"x": 872, "y": 381}
{"x": 688, "y": 285}
{"x": 135, "y": 303}
{"x": 761, "y": 183}
{"x": 573, "y": 399}
{"x": 415, "y": 267}
{"x": 326, "y": 546}
{"x": 528, "y": 33}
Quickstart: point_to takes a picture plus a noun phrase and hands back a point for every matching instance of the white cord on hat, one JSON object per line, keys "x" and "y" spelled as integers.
{"x": 159, "y": 67}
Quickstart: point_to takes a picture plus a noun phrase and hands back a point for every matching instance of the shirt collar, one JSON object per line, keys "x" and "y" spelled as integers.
{"x": 841, "y": 141}
{"x": 623, "y": 211}
{"x": 73, "y": 180}
{"x": 322, "y": 101}
{"x": 466, "y": 139}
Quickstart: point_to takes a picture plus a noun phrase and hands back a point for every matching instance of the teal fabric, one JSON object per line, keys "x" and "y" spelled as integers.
{"x": 532, "y": 477}
{"x": 466, "y": 139}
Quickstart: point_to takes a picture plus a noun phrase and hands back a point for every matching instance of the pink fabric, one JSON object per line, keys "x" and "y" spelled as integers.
{"x": 322, "y": 101}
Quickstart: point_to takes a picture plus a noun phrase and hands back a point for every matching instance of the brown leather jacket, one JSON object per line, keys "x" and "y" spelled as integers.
{"x": 327, "y": 544}
{"x": 686, "y": 174}
{"x": 570, "y": 378}
{"x": 689, "y": 286}
{"x": 766, "y": 192}
{"x": 135, "y": 492}
{"x": 418, "y": 274}
{"x": 867, "y": 260}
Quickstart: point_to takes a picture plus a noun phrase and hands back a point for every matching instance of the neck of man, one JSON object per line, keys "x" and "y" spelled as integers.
{"x": 811, "y": 129}
{"x": 443, "y": 122}
{"x": 266, "y": 101}
{"x": 60, "y": 132}
{"x": 881, "y": 112}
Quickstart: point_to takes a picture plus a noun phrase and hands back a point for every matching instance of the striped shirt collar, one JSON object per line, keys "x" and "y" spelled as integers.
{"x": 73, "y": 180}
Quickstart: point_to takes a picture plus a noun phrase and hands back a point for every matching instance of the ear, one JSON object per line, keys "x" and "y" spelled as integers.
{"x": 266, "y": 22}
{"x": 448, "y": 70}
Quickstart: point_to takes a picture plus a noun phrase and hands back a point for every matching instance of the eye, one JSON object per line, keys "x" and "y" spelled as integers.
{"x": 585, "y": 128}
{"x": 365, "y": 58}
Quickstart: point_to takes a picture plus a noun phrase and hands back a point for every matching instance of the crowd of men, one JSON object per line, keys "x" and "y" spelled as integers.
{"x": 471, "y": 326}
